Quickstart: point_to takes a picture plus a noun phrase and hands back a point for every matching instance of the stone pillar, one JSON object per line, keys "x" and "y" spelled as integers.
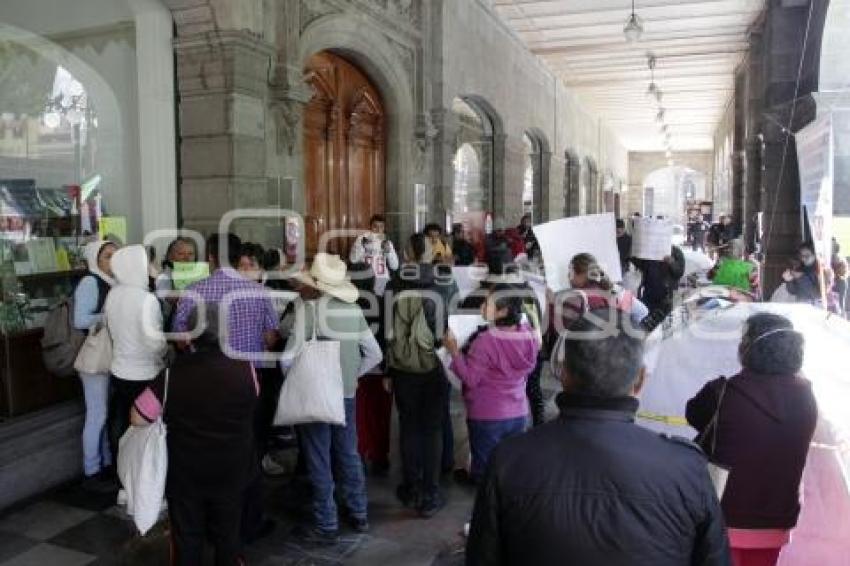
{"x": 498, "y": 195}
{"x": 445, "y": 140}
{"x": 545, "y": 160}
{"x": 223, "y": 86}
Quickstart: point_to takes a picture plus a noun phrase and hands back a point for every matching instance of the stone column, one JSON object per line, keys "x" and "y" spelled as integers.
{"x": 446, "y": 127}
{"x": 498, "y": 196}
{"x": 544, "y": 184}
{"x": 223, "y": 86}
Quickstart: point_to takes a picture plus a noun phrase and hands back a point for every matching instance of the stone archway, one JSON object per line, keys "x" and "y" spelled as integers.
{"x": 366, "y": 47}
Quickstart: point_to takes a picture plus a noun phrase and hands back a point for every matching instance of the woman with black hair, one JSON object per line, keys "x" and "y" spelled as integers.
{"x": 759, "y": 425}
{"x": 180, "y": 250}
{"x": 493, "y": 368}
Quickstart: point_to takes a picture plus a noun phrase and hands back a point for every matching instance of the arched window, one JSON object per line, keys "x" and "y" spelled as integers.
{"x": 472, "y": 190}
{"x": 535, "y": 176}
{"x": 671, "y": 188}
{"x": 467, "y": 178}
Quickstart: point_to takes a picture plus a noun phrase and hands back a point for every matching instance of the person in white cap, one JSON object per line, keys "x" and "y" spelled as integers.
{"x": 332, "y": 301}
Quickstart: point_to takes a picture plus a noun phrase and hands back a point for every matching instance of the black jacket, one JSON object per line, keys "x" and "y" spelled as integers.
{"x": 592, "y": 488}
{"x": 661, "y": 279}
{"x": 766, "y": 425}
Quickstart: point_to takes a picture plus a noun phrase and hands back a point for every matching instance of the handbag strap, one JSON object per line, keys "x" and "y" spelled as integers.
{"x": 165, "y": 391}
{"x": 714, "y": 423}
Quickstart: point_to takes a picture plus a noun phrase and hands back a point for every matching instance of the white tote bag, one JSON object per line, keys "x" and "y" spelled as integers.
{"x": 313, "y": 390}
{"x": 142, "y": 469}
{"x": 95, "y": 355}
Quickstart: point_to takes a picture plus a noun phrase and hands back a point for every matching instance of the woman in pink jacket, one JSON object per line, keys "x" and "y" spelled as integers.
{"x": 493, "y": 367}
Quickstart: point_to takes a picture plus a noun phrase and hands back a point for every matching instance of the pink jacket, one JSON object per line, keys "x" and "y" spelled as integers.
{"x": 494, "y": 372}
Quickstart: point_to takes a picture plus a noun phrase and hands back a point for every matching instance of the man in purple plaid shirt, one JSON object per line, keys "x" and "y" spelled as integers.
{"x": 251, "y": 321}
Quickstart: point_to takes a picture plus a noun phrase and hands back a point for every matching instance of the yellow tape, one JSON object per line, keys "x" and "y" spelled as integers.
{"x": 666, "y": 419}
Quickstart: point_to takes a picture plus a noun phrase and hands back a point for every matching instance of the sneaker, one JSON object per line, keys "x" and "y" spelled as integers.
{"x": 408, "y": 496}
{"x": 315, "y": 536}
{"x": 359, "y": 525}
{"x": 431, "y": 506}
{"x": 272, "y": 468}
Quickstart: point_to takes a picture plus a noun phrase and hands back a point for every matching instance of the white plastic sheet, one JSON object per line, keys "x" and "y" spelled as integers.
{"x": 561, "y": 240}
{"x": 679, "y": 366}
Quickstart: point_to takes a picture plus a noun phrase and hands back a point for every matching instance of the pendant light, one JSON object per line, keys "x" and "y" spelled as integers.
{"x": 633, "y": 29}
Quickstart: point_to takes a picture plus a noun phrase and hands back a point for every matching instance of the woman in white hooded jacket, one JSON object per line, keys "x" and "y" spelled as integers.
{"x": 134, "y": 319}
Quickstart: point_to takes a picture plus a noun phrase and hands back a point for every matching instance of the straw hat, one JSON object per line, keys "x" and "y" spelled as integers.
{"x": 328, "y": 275}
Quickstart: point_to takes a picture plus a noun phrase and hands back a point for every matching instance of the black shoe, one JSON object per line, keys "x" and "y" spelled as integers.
{"x": 408, "y": 496}
{"x": 314, "y": 536}
{"x": 431, "y": 506}
{"x": 265, "y": 529}
{"x": 359, "y": 525}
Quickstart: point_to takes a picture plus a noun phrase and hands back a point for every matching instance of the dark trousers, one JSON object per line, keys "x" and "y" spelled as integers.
{"x": 196, "y": 519}
{"x": 124, "y": 394}
{"x": 484, "y": 436}
{"x": 421, "y": 403}
{"x": 447, "y": 460}
{"x": 271, "y": 381}
{"x": 534, "y": 392}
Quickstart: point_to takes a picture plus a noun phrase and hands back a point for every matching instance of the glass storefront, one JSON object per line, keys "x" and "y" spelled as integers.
{"x": 70, "y": 166}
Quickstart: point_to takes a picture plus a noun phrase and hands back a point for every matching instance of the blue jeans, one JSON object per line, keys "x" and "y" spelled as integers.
{"x": 328, "y": 448}
{"x": 484, "y": 436}
{"x": 96, "y": 452}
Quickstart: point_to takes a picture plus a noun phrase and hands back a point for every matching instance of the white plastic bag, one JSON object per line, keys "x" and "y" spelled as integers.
{"x": 142, "y": 469}
{"x": 313, "y": 390}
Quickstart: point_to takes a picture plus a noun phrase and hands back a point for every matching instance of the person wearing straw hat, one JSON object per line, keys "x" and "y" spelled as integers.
{"x": 333, "y": 301}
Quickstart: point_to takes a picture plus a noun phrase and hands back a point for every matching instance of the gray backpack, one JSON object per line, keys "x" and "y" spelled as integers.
{"x": 61, "y": 341}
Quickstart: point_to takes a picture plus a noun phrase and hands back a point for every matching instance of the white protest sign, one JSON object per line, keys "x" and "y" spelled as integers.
{"x": 652, "y": 239}
{"x": 462, "y": 326}
{"x": 815, "y": 155}
{"x": 468, "y": 278}
{"x": 561, "y": 240}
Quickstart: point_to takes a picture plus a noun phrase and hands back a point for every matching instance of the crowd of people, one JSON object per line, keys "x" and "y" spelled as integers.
{"x": 590, "y": 486}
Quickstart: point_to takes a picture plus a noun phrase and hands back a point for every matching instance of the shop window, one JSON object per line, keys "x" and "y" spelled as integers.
{"x": 70, "y": 168}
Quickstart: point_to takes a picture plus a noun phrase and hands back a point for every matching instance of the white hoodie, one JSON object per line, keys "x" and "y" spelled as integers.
{"x": 134, "y": 318}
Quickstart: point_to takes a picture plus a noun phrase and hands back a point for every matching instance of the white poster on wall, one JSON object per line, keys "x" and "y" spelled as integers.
{"x": 815, "y": 158}
{"x": 561, "y": 240}
{"x": 652, "y": 239}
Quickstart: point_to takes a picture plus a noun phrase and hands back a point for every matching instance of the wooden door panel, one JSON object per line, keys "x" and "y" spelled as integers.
{"x": 343, "y": 151}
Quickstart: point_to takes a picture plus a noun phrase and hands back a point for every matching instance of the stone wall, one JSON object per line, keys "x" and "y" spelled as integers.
{"x": 481, "y": 57}
{"x": 240, "y": 66}
{"x": 643, "y": 163}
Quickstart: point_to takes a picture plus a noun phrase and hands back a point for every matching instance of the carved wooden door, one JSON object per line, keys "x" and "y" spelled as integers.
{"x": 344, "y": 153}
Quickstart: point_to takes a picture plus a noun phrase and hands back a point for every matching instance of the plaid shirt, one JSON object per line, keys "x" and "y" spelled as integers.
{"x": 250, "y": 315}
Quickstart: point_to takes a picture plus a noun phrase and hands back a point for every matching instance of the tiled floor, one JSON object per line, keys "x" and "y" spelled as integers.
{"x": 72, "y": 527}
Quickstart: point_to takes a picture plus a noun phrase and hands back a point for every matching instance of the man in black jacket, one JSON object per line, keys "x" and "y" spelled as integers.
{"x": 592, "y": 487}
{"x": 660, "y": 281}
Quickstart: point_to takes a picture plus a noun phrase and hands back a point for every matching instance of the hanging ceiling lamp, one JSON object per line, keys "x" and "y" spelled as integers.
{"x": 633, "y": 29}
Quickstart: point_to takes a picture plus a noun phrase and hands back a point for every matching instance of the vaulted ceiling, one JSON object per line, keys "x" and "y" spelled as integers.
{"x": 697, "y": 45}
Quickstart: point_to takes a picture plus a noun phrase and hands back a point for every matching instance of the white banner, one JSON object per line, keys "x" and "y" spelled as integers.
{"x": 561, "y": 240}
{"x": 815, "y": 158}
{"x": 653, "y": 239}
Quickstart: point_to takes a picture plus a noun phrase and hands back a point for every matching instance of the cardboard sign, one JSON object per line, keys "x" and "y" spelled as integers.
{"x": 561, "y": 240}
{"x": 652, "y": 239}
{"x": 185, "y": 273}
